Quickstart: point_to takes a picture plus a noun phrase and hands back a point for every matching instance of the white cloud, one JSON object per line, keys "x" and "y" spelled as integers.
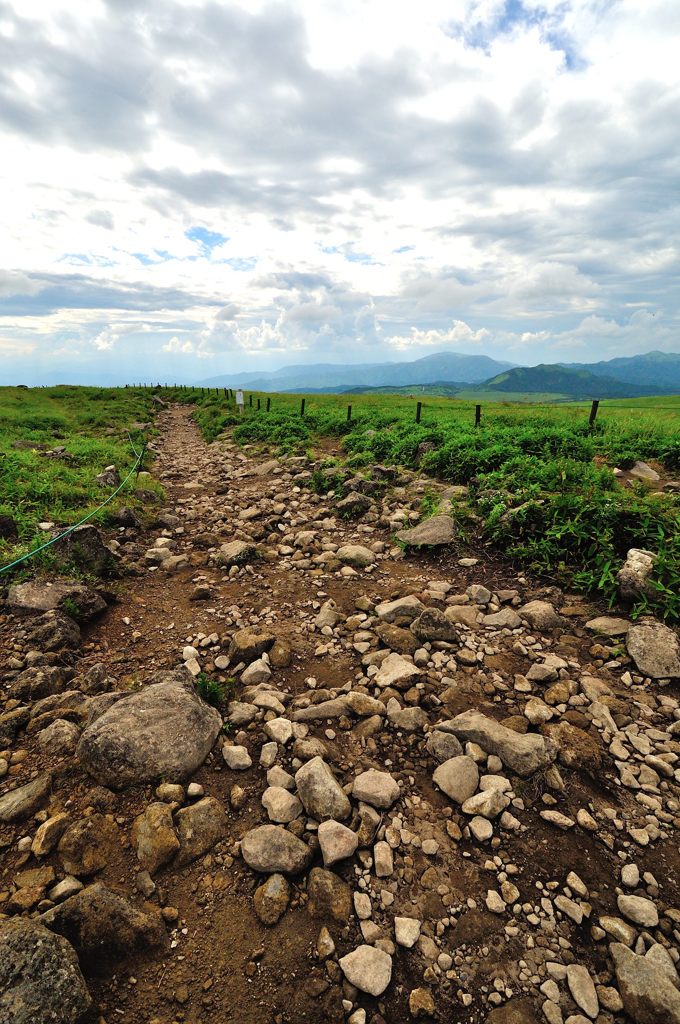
{"x": 267, "y": 180}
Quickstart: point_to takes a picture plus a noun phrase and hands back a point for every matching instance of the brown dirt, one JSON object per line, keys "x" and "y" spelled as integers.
{"x": 225, "y": 965}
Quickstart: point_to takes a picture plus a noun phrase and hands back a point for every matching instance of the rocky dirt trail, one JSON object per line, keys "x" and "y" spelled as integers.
{"x": 433, "y": 790}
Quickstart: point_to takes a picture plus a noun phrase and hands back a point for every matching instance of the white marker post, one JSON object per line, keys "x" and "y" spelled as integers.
{"x": 240, "y": 402}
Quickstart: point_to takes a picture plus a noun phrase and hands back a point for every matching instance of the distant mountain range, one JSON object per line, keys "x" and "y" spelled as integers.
{"x": 450, "y": 366}
{"x": 653, "y": 373}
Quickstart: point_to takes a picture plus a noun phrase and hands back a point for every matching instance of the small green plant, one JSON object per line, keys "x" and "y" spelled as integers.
{"x": 209, "y": 690}
{"x": 429, "y": 505}
{"x": 70, "y": 608}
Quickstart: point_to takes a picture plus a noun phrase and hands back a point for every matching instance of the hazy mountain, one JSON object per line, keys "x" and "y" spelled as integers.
{"x": 654, "y": 368}
{"x": 562, "y": 380}
{"x": 446, "y": 366}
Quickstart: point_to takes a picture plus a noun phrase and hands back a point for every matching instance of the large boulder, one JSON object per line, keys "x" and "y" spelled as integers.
{"x": 433, "y": 532}
{"x": 76, "y": 599}
{"x": 40, "y": 979}
{"x": 271, "y": 849}
{"x": 647, "y": 990}
{"x": 522, "y": 754}
{"x": 655, "y": 649}
{"x": 164, "y": 731}
{"x": 105, "y": 927}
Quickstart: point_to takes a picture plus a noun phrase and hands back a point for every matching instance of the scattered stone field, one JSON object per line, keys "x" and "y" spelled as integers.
{"x": 284, "y": 757}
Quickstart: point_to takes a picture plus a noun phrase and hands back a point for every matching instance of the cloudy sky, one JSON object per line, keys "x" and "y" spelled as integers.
{"x": 194, "y": 187}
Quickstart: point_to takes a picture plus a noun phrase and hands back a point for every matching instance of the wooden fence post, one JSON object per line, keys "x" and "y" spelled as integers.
{"x": 349, "y": 413}
{"x": 419, "y": 409}
{"x": 593, "y": 413}
{"x": 478, "y": 415}
{"x": 258, "y": 405}
{"x": 302, "y": 407}
{"x": 250, "y": 400}
{"x": 269, "y": 404}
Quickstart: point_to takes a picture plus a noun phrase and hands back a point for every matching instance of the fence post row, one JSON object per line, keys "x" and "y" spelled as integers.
{"x": 269, "y": 404}
{"x": 349, "y": 413}
{"x": 302, "y": 407}
{"x": 419, "y": 409}
{"x": 478, "y": 415}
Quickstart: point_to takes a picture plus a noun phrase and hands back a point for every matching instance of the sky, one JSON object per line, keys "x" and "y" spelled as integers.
{"x": 190, "y": 188}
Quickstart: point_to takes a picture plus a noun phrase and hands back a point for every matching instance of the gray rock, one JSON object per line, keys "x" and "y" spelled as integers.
{"x": 320, "y": 792}
{"x": 59, "y": 738}
{"x": 85, "y": 548}
{"x": 21, "y": 803}
{"x": 524, "y": 754}
{"x": 403, "y": 609}
{"x": 433, "y": 625}
{"x": 81, "y": 601}
{"x": 199, "y": 827}
{"x": 608, "y": 625}
{"x": 271, "y": 848}
{"x": 432, "y": 532}
{"x": 648, "y": 994}
{"x": 103, "y": 926}
{"x": 540, "y": 615}
{"x": 281, "y": 806}
{"x": 506, "y": 618}
{"x": 442, "y": 745}
{"x": 337, "y": 842}
{"x": 641, "y": 471}
{"x": 376, "y": 788}
{"x": 367, "y": 968}
{"x": 396, "y": 671}
{"x": 458, "y": 778}
{"x": 237, "y": 552}
{"x": 164, "y": 731}
{"x": 355, "y": 555}
{"x": 40, "y": 979}
{"x": 634, "y": 575}
{"x": 582, "y": 990}
{"x": 408, "y": 719}
{"x": 236, "y": 757}
{"x": 655, "y": 650}
{"x": 639, "y": 910}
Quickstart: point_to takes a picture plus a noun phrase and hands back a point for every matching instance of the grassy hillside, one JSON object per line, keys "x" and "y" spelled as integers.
{"x": 38, "y": 481}
{"x": 559, "y": 379}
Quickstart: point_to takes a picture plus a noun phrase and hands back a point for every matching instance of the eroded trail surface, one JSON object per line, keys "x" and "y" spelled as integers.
{"x": 431, "y": 790}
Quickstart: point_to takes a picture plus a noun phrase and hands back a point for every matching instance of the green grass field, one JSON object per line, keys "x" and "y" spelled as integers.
{"x": 91, "y": 425}
{"x": 541, "y": 486}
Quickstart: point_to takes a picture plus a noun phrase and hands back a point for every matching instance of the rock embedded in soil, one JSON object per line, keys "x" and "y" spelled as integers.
{"x": 328, "y": 896}
{"x": 237, "y": 552}
{"x": 649, "y": 995}
{"x": 271, "y": 899}
{"x": 433, "y": 532}
{"x": 540, "y": 615}
{"x": 199, "y": 827}
{"x": 272, "y": 848}
{"x": 88, "y": 845}
{"x": 368, "y": 969}
{"x": 105, "y": 927}
{"x": 355, "y": 555}
{"x": 522, "y": 754}
{"x": 633, "y": 578}
{"x": 45, "y": 597}
{"x": 376, "y": 788}
{"x": 320, "y": 791}
{"x": 164, "y": 731}
{"x": 40, "y": 978}
{"x": 21, "y": 803}
{"x": 655, "y": 649}
{"x": 337, "y": 842}
{"x": 85, "y": 548}
{"x": 458, "y": 778}
{"x": 154, "y": 837}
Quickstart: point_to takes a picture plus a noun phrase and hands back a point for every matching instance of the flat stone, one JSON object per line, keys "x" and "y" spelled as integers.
{"x": 433, "y": 532}
{"x": 396, "y": 671}
{"x": 639, "y": 910}
{"x": 609, "y": 625}
{"x": 76, "y": 599}
{"x": 403, "y": 609}
{"x": 523, "y": 754}
{"x": 376, "y": 788}
{"x": 458, "y": 778}
{"x": 272, "y": 848}
{"x": 367, "y": 968}
{"x": 655, "y": 649}
{"x": 582, "y": 990}
{"x": 22, "y": 802}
